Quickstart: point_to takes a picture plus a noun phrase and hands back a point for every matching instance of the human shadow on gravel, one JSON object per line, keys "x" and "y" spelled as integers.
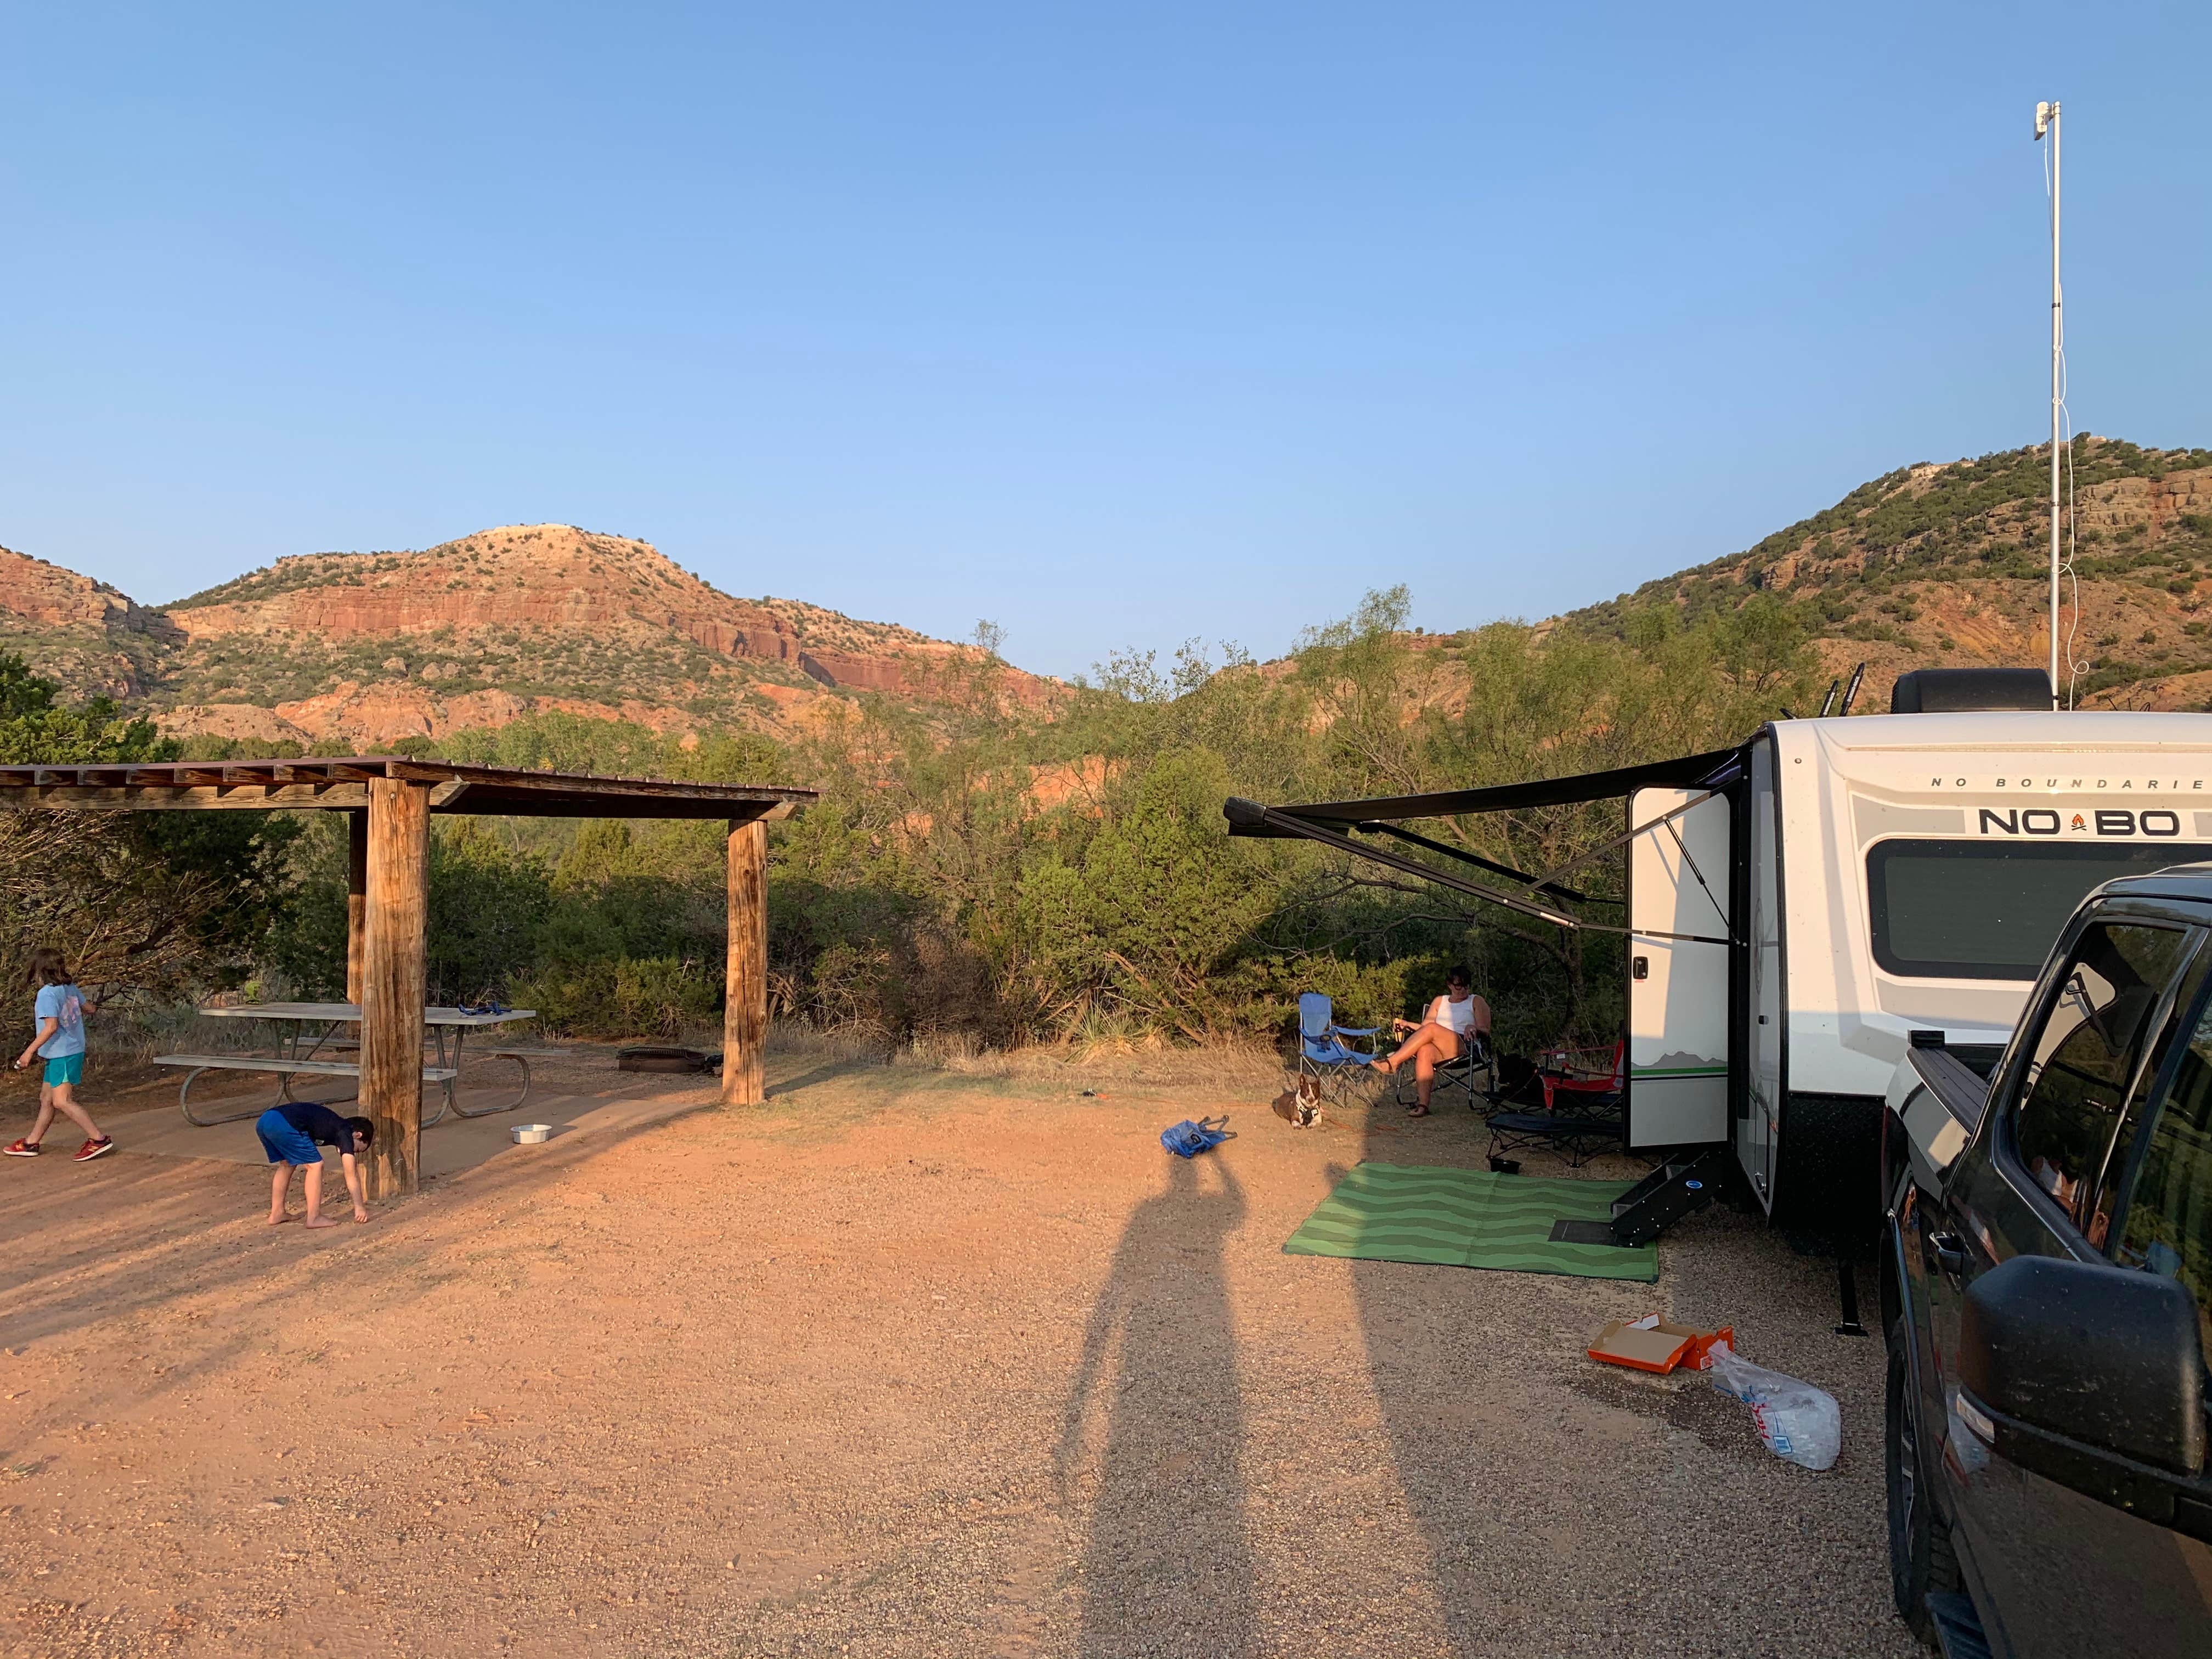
{"x": 1168, "y": 1566}
{"x": 1506, "y": 1547}
{"x": 1433, "y": 1370}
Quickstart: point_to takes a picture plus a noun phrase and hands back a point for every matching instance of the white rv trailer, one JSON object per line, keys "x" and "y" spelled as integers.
{"x": 1797, "y": 907}
{"x": 1892, "y": 873}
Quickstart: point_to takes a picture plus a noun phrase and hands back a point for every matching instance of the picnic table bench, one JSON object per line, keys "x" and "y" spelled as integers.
{"x": 299, "y": 1043}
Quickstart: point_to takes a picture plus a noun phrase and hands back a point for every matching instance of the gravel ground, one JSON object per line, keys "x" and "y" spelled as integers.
{"x": 908, "y": 1362}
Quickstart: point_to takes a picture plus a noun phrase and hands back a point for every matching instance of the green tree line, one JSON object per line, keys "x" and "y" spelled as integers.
{"x": 975, "y": 866}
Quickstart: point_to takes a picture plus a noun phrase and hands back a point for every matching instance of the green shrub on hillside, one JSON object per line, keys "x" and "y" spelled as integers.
{"x": 1155, "y": 906}
{"x": 989, "y": 873}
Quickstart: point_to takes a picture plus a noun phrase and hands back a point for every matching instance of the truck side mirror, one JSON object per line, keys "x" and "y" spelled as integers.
{"x": 2108, "y": 1359}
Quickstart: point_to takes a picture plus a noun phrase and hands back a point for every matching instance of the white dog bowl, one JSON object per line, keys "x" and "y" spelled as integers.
{"x": 529, "y": 1134}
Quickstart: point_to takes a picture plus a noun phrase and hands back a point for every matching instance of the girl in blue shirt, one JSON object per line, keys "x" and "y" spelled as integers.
{"x": 60, "y": 1011}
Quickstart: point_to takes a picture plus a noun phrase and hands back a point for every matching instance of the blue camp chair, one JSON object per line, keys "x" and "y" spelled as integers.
{"x": 1325, "y": 1059}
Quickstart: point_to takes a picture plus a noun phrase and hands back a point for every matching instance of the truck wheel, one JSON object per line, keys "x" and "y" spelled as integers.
{"x": 1920, "y": 1559}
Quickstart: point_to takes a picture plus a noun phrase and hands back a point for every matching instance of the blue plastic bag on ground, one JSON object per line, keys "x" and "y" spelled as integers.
{"x": 1188, "y": 1139}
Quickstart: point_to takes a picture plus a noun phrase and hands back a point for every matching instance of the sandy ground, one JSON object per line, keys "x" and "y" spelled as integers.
{"x": 907, "y": 1362}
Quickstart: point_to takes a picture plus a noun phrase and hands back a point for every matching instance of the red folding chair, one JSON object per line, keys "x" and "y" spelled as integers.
{"x": 1585, "y": 1086}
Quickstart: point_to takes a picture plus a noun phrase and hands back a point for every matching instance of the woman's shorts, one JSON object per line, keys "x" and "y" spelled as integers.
{"x": 68, "y": 1068}
{"x": 283, "y": 1143}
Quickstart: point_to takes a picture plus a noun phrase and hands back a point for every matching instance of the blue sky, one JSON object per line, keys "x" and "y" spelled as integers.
{"x": 1115, "y": 324}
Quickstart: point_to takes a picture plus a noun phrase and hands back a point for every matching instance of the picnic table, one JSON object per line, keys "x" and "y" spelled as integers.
{"x": 308, "y": 1030}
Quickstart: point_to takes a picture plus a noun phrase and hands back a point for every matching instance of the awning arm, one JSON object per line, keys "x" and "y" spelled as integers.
{"x": 1479, "y": 862}
{"x": 1684, "y": 772}
{"x": 1618, "y": 841}
{"x": 1240, "y": 811}
{"x": 1282, "y": 823}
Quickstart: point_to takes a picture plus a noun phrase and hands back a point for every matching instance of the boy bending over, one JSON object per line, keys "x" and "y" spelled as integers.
{"x": 290, "y": 1135}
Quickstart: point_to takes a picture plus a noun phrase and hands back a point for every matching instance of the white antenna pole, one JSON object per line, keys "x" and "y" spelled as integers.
{"x": 2047, "y": 120}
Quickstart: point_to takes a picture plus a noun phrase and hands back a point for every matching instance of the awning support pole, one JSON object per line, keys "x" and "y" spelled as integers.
{"x": 1284, "y": 822}
{"x": 1376, "y": 827}
{"x": 1622, "y": 841}
{"x": 1413, "y": 867}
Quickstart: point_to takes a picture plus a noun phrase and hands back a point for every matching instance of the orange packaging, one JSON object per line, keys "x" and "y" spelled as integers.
{"x": 1698, "y": 1357}
{"x": 1653, "y": 1345}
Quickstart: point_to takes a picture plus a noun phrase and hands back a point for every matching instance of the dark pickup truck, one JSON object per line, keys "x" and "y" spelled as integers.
{"x": 2045, "y": 1286}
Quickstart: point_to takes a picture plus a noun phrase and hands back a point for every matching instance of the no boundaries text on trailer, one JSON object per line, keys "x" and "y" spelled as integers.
{"x": 1797, "y": 907}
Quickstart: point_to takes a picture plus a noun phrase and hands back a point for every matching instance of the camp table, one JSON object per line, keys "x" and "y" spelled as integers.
{"x": 305, "y": 1028}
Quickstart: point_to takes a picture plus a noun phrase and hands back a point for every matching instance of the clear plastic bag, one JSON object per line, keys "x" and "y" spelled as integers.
{"x": 1797, "y": 1421}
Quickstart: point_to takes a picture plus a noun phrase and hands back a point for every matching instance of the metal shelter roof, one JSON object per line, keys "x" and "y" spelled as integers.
{"x": 342, "y": 784}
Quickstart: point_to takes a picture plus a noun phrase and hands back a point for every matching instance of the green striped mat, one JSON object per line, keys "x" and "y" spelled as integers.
{"x": 1468, "y": 1218}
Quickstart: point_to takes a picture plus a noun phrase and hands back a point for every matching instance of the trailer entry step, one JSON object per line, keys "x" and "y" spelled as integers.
{"x": 1678, "y": 1188}
{"x": 1583, "y": 1232}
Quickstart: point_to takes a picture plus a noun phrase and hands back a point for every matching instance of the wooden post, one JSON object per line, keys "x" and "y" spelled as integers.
{"x": 392, "y": 980}
{"x": 745, "y": 1008}
{"x": 356, "y": 901}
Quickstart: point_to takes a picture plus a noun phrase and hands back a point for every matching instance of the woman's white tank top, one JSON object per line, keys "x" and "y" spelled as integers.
{"x": 1459, "y": 1016}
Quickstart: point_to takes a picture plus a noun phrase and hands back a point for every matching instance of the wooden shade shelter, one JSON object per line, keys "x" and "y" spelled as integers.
{"x": 389, "y": 801}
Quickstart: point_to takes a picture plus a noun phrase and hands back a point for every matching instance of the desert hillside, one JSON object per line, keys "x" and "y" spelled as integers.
{"x": 1938, "y": 562}
{"x": 364, "y": 649}
{"x": 94, "y": 641}
{"x": 1947, "y": 563}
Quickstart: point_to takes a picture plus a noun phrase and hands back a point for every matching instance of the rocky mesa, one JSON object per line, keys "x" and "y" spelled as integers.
{"x": 363, "y": 649}
{"x": 94, "y": 640}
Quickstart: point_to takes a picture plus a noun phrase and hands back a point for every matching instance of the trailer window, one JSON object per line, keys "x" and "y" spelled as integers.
{"x": 1977, "y": 910}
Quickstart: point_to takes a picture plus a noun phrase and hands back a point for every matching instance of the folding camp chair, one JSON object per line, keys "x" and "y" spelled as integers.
{"x": 1572, "y": 1084}
{"x": 1584, "y": 1111}
{"x": 1474, "y": 1061}
{"x": 1325, "y": 1060}
{"x": 1577, "y": 1137}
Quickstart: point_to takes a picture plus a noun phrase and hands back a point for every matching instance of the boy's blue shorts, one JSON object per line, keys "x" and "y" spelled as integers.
{"x": 70, "y": 1068}
{"x": 283, "y": 1143}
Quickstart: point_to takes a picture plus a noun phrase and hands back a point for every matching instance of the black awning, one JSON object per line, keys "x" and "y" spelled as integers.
{"x": 1687, "y": 772}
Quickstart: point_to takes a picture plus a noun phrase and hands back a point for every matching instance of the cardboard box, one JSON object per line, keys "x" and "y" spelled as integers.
{"x": 1651, "y": 1344}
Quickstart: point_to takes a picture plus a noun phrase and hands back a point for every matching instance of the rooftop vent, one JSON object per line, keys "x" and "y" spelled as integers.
{"x": 1968, "y": 691}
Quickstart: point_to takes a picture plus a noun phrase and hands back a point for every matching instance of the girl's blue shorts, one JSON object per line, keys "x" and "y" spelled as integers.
{"x": 283, "y": 1143}
{"x": 70, "y": 1068}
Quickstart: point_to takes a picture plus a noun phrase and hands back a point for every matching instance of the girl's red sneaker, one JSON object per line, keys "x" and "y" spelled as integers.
{"x": 21, "y": 1149}
{"x": 92, "y": 1149}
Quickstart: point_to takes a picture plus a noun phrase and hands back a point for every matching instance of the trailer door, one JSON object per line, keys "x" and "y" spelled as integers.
{"x": 1759, "y": 1129}
{"x": 1679, "y": 884}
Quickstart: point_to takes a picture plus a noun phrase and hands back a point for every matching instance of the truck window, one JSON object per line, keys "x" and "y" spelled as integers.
{"x": 2086, "y": 1060}
{"x": 1992, "y": 910}
{"x": 2169, "y": 1228}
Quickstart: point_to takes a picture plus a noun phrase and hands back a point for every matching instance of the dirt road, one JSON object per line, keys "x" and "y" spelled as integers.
{"x": 905, "y": 1363}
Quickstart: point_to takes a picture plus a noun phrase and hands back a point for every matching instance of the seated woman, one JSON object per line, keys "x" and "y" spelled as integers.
{"x": 1436, "y": 1037}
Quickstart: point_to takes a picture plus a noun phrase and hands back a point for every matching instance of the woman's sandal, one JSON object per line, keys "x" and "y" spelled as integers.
{"x": 1417, "y": 1110}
